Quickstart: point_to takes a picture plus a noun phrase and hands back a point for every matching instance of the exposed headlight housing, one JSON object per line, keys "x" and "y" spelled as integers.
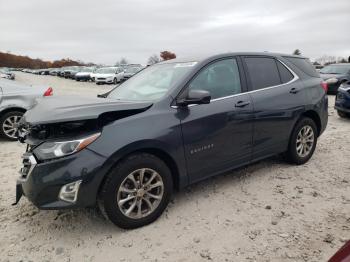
{"x": 332, "y": 80}
{"x": 55, "y": 149}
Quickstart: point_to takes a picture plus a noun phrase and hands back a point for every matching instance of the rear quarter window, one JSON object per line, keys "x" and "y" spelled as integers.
{"x": 263, "y": 72}
{"x": 286, "y": 75}
{"x": 304, "y": 65}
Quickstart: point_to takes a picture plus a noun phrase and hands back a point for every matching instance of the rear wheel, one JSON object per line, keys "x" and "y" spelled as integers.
{"x": 9, "y": 123}
{"x": 303, "y": 141}
{"x": 137, "y": 191}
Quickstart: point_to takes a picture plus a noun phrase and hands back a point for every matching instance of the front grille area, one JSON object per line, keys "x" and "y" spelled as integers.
{"x": 101, "y": 78}
{"x": 29, "y": 163}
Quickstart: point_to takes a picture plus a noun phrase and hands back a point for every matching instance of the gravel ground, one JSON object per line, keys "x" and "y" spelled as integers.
{"x": 269, "y": 211}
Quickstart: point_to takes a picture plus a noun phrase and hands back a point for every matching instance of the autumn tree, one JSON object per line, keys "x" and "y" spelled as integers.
{"x": 17, "y": 61}
{"x": 167, "y": 55}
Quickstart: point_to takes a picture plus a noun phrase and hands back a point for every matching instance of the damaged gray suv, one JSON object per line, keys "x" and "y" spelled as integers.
{"x": 172, "y": 124}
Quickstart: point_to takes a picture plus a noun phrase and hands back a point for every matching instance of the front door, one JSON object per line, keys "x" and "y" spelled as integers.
{"x": 217, "y": 136}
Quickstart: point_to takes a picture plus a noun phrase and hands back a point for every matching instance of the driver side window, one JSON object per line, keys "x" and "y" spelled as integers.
{"x": 220, "y": 79}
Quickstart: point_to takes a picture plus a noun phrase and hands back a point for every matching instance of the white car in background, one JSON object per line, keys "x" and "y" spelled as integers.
{"x": 108, "y": 75}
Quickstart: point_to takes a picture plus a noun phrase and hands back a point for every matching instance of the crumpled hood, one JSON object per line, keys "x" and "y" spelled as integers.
{"x": 328, "y": 76}
{"x": 69, "y": 108}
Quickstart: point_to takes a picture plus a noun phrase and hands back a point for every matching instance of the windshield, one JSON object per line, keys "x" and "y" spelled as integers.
{"x": 335, "y": 69}
{"x": 106, "y": 70}
{"x": 86, "y": 69}
{"x": 151, "y": 83}
{"x": 132, "y": 70}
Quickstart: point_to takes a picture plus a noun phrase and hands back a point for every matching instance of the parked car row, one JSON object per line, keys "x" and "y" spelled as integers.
{"x": 101, "y": 75}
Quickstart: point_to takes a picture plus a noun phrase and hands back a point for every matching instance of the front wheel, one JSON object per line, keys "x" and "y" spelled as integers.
{"x": 303, "y": 141}
{"x": 137, "y": 191}
{"x": 9, "y": 123}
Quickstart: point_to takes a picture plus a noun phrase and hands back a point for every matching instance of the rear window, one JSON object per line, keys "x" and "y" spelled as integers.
{"x": 304, "y": 65}
{"x": 263, "y": 72}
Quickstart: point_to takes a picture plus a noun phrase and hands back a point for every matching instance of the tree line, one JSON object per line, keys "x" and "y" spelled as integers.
{"x": 153, "y": 59}
{"x": 326, "y": 59}
{"x": 18, "y": 61}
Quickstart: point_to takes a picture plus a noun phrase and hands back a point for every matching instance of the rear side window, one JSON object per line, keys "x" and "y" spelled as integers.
{"x": 285, "y": 74}
{"x": 304, "y": 65}
{"x": 263, "y": 72}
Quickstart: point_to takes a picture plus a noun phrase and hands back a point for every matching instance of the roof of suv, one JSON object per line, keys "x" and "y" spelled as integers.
{"x": 210, "y": 57}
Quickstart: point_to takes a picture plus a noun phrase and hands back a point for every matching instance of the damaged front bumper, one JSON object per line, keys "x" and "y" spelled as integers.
{"x": 42, "y": 182}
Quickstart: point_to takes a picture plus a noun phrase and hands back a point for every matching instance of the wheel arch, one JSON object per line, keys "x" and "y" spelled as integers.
{"x": 11, "y": 109}
{"x": 315, "y": 117}
{"x": 155, "y": 150}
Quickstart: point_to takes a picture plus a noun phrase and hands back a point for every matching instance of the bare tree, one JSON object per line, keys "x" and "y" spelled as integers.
{"x": 326, "y": 60}
{"x": 296, "y": 52}
{"x": 153, "y": 59}
{"x": 341, "y": 60}
{"x": 122, "y": 61}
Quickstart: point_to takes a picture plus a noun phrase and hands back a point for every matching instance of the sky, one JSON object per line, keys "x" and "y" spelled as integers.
{"x": 104, "y": 31}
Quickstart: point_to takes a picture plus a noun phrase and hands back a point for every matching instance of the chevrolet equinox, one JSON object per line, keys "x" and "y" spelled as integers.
{"x": 172, "y": 124}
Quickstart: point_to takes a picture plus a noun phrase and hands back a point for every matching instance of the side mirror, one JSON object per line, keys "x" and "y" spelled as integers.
{"x": 195, "y": 97}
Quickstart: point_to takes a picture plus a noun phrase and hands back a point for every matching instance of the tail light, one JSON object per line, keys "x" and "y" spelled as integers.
{"x": 324, "y": 86}
{"x": 48, "y": 92}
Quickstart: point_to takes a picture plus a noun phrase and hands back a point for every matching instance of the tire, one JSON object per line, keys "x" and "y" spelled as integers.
{"x": 111, "y": 191}
{"x": 343, "y": 114}
{"x": 115, "y": 81}
{"x": 5, "y": 124}
{"x": 297, "y": 142}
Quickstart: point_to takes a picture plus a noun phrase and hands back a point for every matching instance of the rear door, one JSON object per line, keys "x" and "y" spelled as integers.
{"x": 218, "y": 136}
{"x": 278, "y": 99}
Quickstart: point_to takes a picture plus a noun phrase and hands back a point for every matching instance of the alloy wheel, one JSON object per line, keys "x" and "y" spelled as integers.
{"x": 10, "y": 126}
{"x": 305, "y": 141}
{"x": 140, "y": 193}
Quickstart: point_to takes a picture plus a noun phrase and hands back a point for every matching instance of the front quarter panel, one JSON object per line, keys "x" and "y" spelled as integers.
{"x": 16, "y": 100}
{"x": 154, "y": 129}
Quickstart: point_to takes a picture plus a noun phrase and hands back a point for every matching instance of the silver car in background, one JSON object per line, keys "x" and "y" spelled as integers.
{"x": 15, "y": 100}
{"x": 6, "y": 73}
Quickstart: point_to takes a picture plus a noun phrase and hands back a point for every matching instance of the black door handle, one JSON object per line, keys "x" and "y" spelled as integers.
{"x": 294, "y": 90}
{"x": 242, "y": 103}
